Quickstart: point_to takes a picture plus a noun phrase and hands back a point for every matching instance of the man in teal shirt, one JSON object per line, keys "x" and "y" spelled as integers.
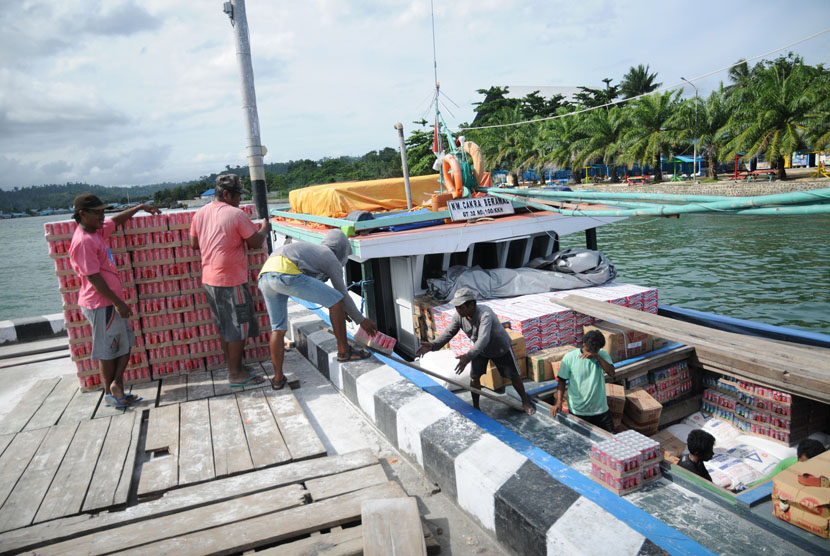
{"x": 585, "y": 369}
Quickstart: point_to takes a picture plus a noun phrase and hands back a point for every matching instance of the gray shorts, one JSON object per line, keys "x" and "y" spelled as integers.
{"x": 111, "y": 334}
{"x": 233, "y": 311}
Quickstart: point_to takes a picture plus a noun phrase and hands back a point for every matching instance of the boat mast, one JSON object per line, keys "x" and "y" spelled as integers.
{"x": 437, "y": 143}
{"x": 239, "y": 21}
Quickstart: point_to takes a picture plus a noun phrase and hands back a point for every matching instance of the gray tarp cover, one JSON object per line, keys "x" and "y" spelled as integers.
{"x": 564, "y": 270}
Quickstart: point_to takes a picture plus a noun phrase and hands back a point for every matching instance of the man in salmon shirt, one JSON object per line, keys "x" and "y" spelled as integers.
{"x": 100, "y": 297}
{"x": 221, "y": 231}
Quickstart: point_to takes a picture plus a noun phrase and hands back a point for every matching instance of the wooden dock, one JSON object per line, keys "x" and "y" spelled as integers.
{"x": 195, "y": 467}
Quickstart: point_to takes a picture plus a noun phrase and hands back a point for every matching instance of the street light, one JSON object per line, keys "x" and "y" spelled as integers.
{"x": 694, "y": 157}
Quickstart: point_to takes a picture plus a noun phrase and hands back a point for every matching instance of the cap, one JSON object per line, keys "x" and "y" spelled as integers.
{"x": 462, "y": 296}
{"x": 229, "y": 182}
{"x": 88, "y": 201}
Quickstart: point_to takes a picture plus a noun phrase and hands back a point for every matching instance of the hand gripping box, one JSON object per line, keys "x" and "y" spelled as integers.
{"x": 620, "y": 342}
{"x": 796, "y": 500}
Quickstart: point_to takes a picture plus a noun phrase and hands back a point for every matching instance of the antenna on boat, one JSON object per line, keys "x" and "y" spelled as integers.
{"x": 239, "y": 21}
{"x": 436, "y": 143}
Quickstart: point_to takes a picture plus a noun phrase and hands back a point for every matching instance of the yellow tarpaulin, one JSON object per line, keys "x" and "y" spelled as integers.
{"x": 337, "y": 200}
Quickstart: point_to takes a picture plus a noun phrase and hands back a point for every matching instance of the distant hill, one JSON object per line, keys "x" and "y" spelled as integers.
{"x": 280, "y": 177}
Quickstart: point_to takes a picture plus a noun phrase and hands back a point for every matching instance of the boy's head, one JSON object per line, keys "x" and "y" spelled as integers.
{"x": 593, "y": 341}
{"x": 809, "y": 448}
{"x": 701, "y": 444}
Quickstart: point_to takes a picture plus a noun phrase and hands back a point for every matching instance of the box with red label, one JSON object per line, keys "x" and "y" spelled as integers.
{"x": 801, "y": 495}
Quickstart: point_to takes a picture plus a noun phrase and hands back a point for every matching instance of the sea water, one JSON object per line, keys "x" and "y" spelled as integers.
{"x": 771, "y": 269}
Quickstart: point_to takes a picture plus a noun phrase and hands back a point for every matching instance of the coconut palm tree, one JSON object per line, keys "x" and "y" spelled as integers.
{"x": 712, "y": 115}
{"x": 775, "y": 122}
{"x": 558, "y": 138}
{"x": 652, "y": 130}
{"x": 602, "y": 133}
{"x": 638, "y": 81}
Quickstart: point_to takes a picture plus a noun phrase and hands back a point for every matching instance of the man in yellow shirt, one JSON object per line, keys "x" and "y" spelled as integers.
{"x": 300, "y": 269}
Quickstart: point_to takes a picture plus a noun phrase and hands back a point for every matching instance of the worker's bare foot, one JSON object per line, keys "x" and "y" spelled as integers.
{"x": 528, "y": 407}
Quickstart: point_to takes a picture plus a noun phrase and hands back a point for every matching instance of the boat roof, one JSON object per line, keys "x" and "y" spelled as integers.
{"x": 445, "y": 237}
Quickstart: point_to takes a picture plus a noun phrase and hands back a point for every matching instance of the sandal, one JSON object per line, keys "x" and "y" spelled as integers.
{"x": 279, "y": 384}
{"x": 354, "y": 354}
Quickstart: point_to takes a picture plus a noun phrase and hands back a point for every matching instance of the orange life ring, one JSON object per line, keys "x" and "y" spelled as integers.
{"x": 454, "y": 183}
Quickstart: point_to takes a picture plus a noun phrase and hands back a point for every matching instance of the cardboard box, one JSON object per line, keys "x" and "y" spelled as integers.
{"x": 517, "y": 344}
{"x": 807, "y": 507}
{"x": 616, "y": 399}
{"x": 621, "y": 342}
{"x": 544, "y": 364}
{"x": 671, "y": 446}
{"x": 642, "y": 409}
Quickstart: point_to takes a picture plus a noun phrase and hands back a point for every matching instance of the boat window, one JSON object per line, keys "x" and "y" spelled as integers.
{"x": 486, "y": 255}
{"x": 516, "y": 253}
{"x": 543, "y": 245}
{"x": 433, "y": 268}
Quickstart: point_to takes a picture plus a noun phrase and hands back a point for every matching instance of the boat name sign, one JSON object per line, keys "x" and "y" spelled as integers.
{"x": 477, "y": 207}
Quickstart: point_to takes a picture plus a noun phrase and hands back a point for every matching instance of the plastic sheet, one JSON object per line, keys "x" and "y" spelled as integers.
{"x": 337, "y": 200}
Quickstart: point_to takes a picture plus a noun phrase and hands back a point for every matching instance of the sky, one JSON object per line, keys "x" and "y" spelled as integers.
{"x": 127, "y": 92}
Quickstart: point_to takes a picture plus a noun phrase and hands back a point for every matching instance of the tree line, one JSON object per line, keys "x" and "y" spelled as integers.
{"x": 771, "y": 110}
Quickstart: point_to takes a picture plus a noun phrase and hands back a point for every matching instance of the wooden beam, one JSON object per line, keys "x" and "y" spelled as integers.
{"x": 127, "y": 537}
{"x": 68, "y": 489}
{"x": 392, "y": 526}
{"x": 788, "y": 368}
{"x": 115, "y": 455}
{"x": 234, "y": 537}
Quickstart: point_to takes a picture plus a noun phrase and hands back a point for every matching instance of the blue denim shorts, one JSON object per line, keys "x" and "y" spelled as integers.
{"x": 277, "y": 287}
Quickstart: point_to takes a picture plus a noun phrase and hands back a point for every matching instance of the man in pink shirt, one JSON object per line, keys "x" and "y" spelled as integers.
{"x": 100, "y": 297}
{"x": 221, "y": 231}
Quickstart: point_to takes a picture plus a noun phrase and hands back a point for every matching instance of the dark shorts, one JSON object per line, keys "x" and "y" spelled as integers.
{"x": 506, "y": 365}
{"x": 603, "y": 421}
{"x": 233, "y": 311}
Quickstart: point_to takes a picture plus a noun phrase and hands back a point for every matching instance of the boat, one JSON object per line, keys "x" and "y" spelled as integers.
{"x": 396, "y": 251}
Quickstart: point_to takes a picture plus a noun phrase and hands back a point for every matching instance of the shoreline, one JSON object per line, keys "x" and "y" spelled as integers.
{"x": 727, "y": 188}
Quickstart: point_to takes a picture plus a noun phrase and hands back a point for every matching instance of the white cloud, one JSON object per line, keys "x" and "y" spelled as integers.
{"x": 130, "y": 91}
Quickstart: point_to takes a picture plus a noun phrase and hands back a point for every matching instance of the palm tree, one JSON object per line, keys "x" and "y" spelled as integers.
{"x": 818, "y": 120}
{"x": 651, "y": 132}
{"x": 558, "y": 138}
{"x": 775, "y": 122}
{"x": 638, "y": 81}
{"x": 602, "y": 138}
{"x": 712, "y": 115}
{"x": 513, "y": 147}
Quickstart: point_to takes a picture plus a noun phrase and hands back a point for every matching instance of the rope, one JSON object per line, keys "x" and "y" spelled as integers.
{"x": 362, "y": 284}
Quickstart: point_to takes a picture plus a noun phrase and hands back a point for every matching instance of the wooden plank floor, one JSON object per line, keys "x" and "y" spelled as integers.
{"x": 66, "y": 453}
{"x": 270, "y": 509}
{"x": 53, "y": 472}
{"x": 60, "y": 401}
{"x": 204, "y": 439}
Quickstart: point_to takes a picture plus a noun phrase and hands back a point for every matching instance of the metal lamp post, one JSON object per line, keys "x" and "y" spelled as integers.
{"x": 694, "y": 157}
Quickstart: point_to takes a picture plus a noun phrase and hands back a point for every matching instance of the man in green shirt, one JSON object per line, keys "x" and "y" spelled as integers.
{"x": 807, "y": 448}
{"x": 585, "y": 369}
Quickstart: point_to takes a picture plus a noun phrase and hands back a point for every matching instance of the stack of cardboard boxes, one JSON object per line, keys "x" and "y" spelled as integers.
{"x": 761, "y": 411}
{"x": 492, "y": 379}
{"x": 642, "y": 412}
{"x": 801, "y": 495}
{"x": 161, "y": 279}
